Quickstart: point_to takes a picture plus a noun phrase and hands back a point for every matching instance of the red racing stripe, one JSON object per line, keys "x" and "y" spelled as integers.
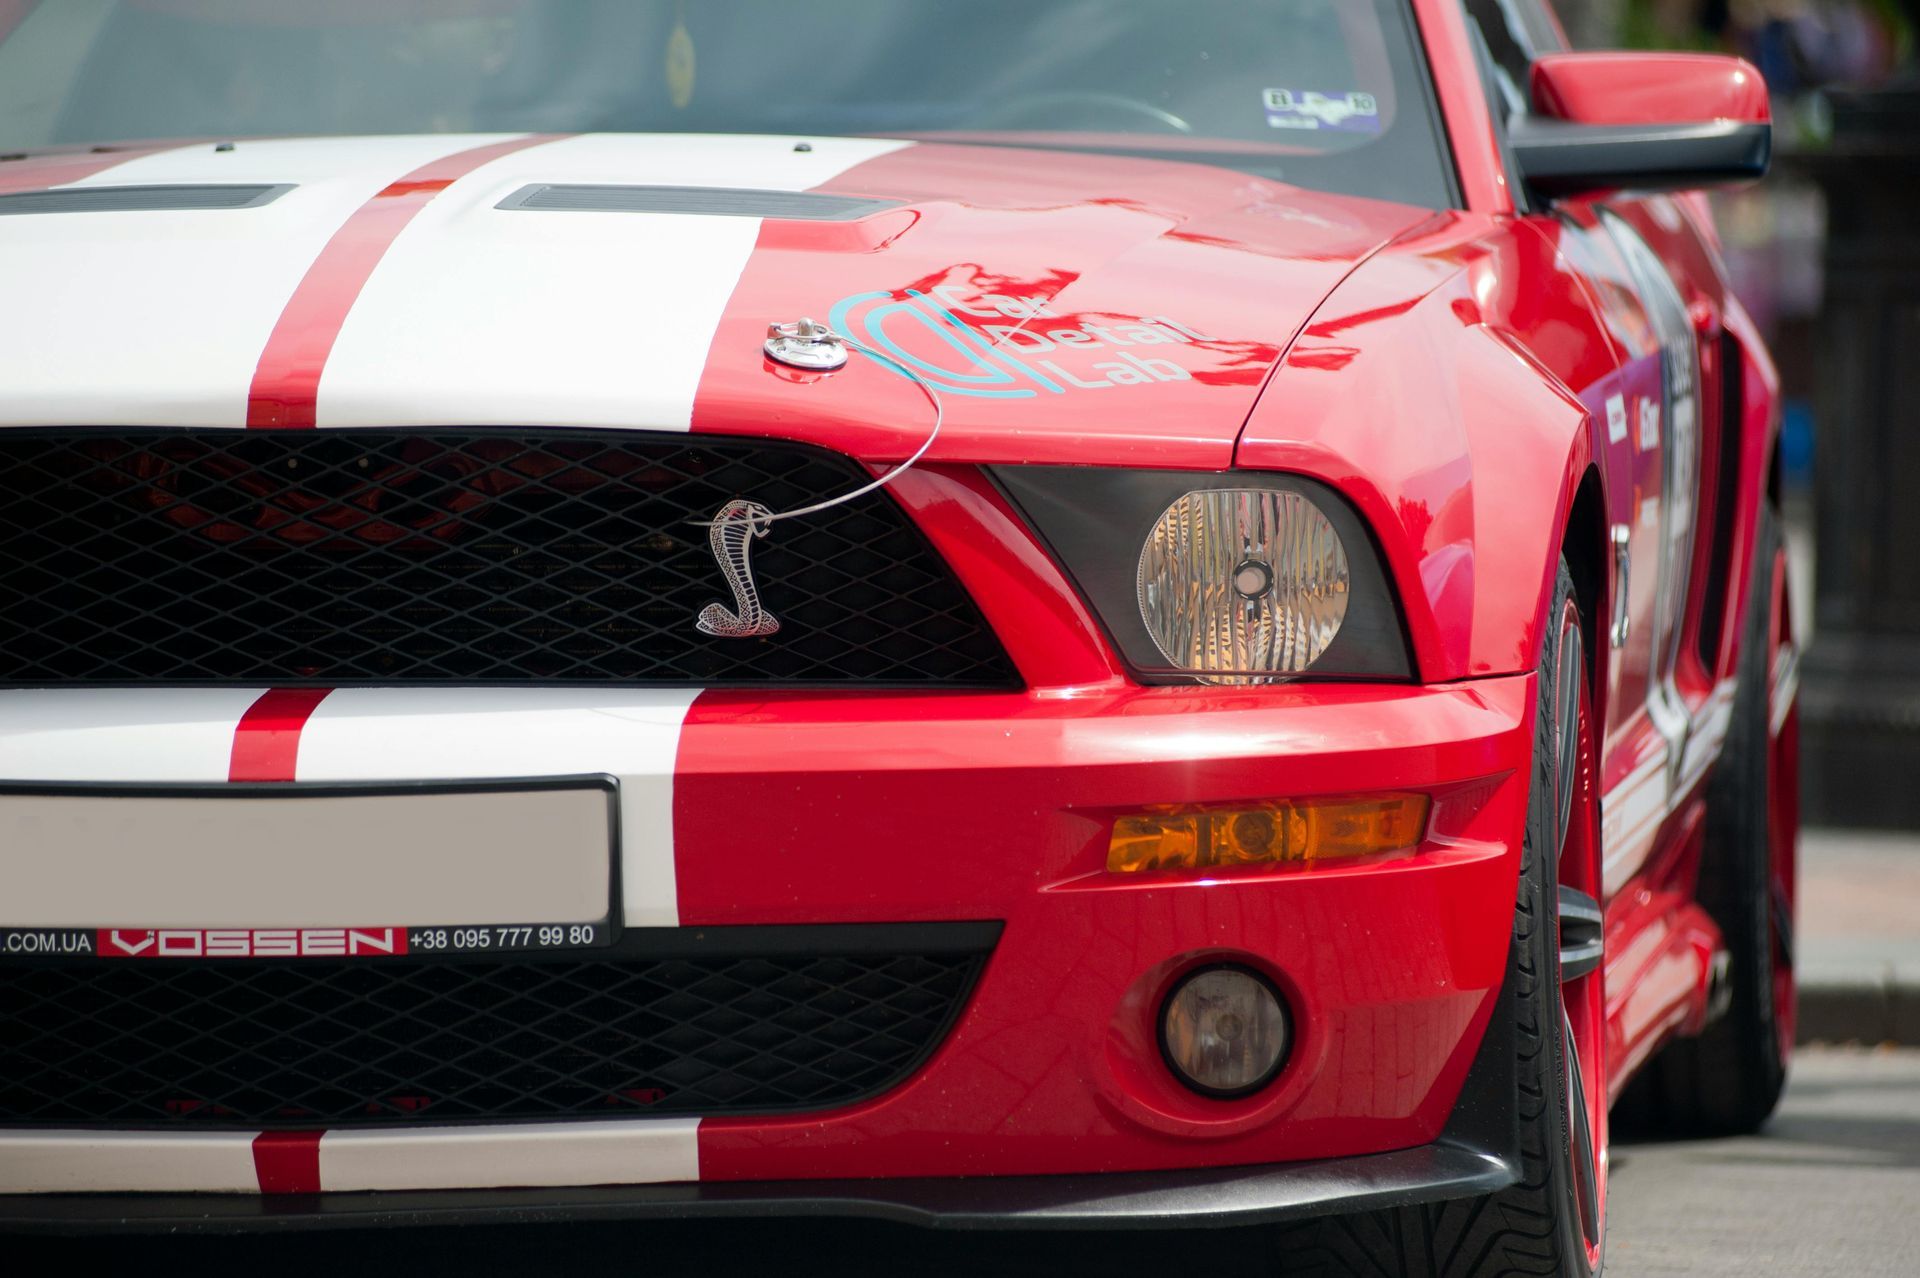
{"x": 286, "y": 383}
{"x": 287, "y": 1162}
{"x": 266, "y": 741}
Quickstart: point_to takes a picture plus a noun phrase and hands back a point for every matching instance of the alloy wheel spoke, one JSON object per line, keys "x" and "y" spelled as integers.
{"x": 1585, "y": 1163}
{"x": 1566, "y": 733}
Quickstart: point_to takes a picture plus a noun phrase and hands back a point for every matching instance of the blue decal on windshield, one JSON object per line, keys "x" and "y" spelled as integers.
{"x": 1313, "y": 111}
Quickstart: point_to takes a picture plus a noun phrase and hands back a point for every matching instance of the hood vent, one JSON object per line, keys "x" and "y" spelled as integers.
{"x": 706, "y": 201}
{"x": 140, "y": 199}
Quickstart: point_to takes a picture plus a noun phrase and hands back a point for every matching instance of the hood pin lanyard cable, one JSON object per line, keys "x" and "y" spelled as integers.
{"x": 816, "y": 348}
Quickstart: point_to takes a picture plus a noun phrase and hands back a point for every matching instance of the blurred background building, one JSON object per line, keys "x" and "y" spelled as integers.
{"x": 1826, "y": 255}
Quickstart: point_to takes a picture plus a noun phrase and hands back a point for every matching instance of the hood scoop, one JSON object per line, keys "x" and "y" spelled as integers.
{"x": 706, "y": 201}
{"x": 141, "y": 199}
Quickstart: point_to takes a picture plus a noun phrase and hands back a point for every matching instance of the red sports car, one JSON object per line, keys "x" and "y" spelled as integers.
{"x": 1039, "y": 613}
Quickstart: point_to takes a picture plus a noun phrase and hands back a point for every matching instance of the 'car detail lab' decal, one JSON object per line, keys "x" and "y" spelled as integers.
{"x": 1000, "y": 346}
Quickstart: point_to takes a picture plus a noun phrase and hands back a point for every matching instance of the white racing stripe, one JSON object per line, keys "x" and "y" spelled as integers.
{"x": 109, "y": 735}
{"x": 159, "y": 318}
{"x": 414, "y": 734}
{"x": 522, "y": 1155}
{"x": 108, "y": 1162}
{"x": 634, "y": 1151}
{"x": 120, "y": 734}
{"x": 476, "y": 313}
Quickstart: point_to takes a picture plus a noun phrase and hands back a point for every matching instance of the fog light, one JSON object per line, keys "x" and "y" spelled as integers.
{"x": 1223, "y": 1031}
{"x": 1299, "y": 834}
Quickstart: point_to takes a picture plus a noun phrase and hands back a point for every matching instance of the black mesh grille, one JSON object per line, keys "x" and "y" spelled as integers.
{"x": 307, "y": 1042}
{"x": 336, "y": 557}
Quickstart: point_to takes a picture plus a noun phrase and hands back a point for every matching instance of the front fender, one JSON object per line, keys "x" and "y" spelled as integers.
{"x": 1444, "y": 389}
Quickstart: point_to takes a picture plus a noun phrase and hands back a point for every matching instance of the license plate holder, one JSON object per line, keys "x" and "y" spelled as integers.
{"x": 309, "y": 870}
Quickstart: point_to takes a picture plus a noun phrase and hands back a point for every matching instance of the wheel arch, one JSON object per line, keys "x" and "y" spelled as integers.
{"x": 1584, "y": 546}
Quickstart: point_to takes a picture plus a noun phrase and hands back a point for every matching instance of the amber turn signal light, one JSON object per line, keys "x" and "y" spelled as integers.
{"x": 1301, "y": 833}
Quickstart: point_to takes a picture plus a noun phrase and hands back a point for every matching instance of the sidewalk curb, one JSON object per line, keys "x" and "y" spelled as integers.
{"x": 1860, "y": 1003}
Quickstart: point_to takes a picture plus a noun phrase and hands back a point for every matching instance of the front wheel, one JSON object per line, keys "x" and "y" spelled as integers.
{"x": 1552, "y": 1222}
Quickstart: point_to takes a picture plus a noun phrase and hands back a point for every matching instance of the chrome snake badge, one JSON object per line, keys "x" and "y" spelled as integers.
{"x": 815, "y": 348}
{"x": 731, "y": 535}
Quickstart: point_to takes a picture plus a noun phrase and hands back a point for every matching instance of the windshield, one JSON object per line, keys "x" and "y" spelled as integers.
{"x": 1329, "y": 94}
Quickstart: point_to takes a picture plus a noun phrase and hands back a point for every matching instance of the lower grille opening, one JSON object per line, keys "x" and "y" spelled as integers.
{"x": 302, "y": 1043}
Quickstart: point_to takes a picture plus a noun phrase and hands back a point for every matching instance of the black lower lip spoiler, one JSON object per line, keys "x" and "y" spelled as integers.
{"x": 1202, "y": 1198}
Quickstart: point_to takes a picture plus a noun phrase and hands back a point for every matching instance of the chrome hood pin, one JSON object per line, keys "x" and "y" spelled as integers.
{"x": 806, "y": 344}
{"x": 813, "y": 346}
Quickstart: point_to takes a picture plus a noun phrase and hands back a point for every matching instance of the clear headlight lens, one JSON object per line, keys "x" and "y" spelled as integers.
{"x": 1243, "y": 585}
{"x": 1245, "y": 576}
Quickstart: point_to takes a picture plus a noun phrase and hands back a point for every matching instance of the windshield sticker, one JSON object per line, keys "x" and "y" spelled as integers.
{"x": 680, "y": 64}
{"x": 1312, "y": 110}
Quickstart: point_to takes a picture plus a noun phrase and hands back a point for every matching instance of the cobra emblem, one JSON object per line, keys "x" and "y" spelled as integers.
{"x": 731, "y": 535}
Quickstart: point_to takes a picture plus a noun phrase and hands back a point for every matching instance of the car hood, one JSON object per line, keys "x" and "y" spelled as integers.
{"x": 1067, "y": 307}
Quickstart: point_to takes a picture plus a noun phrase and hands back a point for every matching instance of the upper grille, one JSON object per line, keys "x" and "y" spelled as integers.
{"x": 319, "y": 1042}
{"x": 339, "y": 557}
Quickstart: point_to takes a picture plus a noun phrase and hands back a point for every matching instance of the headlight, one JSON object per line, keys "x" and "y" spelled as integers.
{"x": 1244, "y": 583}
{"x": 1230, "y": 578}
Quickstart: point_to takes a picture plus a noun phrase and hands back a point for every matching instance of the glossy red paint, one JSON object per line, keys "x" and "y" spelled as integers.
{"x": 1078, "y": 308}
{"x": 1660, "y": 944}
{"x": 1444, "y": 389}
{"x": 1453, "y": 374}
{"x": 897, "y": 807}
{"x": 1462, "y": 93}
{"x": 266, "y": 741}
{"x": 287, "y": 1162}
{"x": 793, "y": 808}
{"x": 1649, "y": 88}
{"x": 286, "y": 385}
{"x": 1455, "y": 379}
{"x": 1055, "y": 642}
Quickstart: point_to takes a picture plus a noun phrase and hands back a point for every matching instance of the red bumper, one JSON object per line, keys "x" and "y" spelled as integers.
{"x": 878, "y": 808}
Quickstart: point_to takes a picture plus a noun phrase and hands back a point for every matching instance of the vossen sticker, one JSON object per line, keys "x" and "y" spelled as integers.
{"x": 1311, "y": 110}
{"x": 194, "y": 943}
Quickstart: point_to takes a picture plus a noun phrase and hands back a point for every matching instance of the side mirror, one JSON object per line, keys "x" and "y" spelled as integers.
{"x": 1642, "y": 122}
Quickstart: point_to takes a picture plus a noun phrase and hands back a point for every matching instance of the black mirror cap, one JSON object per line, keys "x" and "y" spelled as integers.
{"x": 1558, "y": 159}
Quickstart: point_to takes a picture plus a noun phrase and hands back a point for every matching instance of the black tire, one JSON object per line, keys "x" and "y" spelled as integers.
{"x": 1728, "y": 1080}
{"x": 1533, "y": 1227}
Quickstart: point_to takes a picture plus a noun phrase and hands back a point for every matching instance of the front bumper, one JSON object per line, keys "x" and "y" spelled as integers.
{"x": 1127, "y": 1200}
{"x": 764, "y": 809}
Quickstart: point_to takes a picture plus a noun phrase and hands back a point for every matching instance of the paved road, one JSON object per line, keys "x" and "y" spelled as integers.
{"x": 1832, "y": 1190}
